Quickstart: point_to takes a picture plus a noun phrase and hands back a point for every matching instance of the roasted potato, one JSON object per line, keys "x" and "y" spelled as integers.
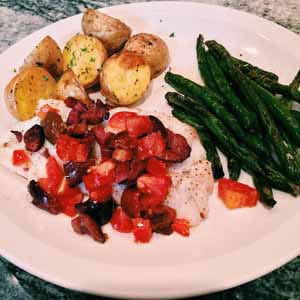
{"x": 153, "y": 49}
{"x": 26, "y": 89}
{"x": 124, "y": 78}
{"x": 84, "y": 55}
{"x": 69, "y": 86}
{"x": 46, "y": 54}
{"x": 110, "y": 31}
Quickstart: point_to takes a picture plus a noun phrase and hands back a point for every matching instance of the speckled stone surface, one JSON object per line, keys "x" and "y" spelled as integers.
{"x": 20, "y": 18}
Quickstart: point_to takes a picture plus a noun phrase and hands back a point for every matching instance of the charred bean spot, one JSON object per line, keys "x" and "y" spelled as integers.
{"x": 34, "y": 138}
{"x": 18, "y": 135}
{"x": 53, "y": 126}
{"x": 74, "y": 171}
{"x": 84, "y": 224}
{"x": 43, "y": 200}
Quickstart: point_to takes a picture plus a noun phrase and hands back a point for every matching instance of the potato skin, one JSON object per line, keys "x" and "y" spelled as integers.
{"x": 153, "y": 49}
{"x": 124, "y": 78}
{"x": 110, "y": 31}
{"x": 46, "y": 54}
{"x": 23, "y": 92}
{"x": 84, "y": 55}
{"x": 69, "y": 86}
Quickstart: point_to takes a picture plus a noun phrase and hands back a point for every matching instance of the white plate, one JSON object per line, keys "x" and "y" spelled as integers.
{"x": 230, "y": 248}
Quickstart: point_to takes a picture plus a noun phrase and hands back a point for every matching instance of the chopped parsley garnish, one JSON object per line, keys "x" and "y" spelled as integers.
{"x": 45, "y": 78}
{"x": 83, "y": 49}
{"x": 172, "y": 34}
{"x": 15, "y": 70}
{"x": 92, "y": 59}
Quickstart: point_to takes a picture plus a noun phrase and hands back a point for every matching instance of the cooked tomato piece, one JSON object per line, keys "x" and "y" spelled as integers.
{"x": 68, "y": 198}
{"x": 20, "y": 157}
{"x": 122, "y": 155}
{"x": 91, "y": 181}
{"x": 150, "y": 201}
{"x": 105, "y": 170}
{"x": 124, "y": 141}
{"x": 44, "y": 110}
{"x": 130, "y": 202}
{"x": 181, "y": 226}
{"x": 118, "y": 121}
{"x": 121, "y": 171}
{"x": 151, "y": 145}
{"x": 101, "y": 136}
{"x": 154, "y": 185}
{"x": 102, "y": 193}
{"x": 156, "y": 167}
{"x": 55, "y": 175}
{"x": 138, "y": 125}
{"x": 106, "y": 152}
{"x": 235, "y": 194}
{"x": 141, "y": 230}
{"x": 120, "y": 221}
{"x": 70, "y": 149}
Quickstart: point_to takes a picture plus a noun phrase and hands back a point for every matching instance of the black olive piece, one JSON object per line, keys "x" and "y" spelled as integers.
{"x": 43, "y": 200}
{"x": 74, "y": 171}
{"x": 101, "y": 213}
{"x": 34, "y": 138}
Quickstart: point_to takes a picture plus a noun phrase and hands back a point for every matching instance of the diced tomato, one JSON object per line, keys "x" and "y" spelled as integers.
{"x": 121, "y": 171}
{"x": 181, "y": 226}
{"x": 156, "y": 167}
{"x": 44, "y": 110}
{"x": 106, "y": 152}
{"x": 124, "y": 141}
{"x": 105, "y": 170}
{"x": 43, "y": 183}
{"x": 154, "y": 185}
{"x": 120, "y": 221}
{"x": 122, "y": 155}
{"x": 151, "y": 145}
{"x": 138, "y": 125}
{"x": 20, "y": 157}
{"x": 130, "y": 202}
{"x": 141, "y": 230}
{"x": 91, "y": 181}
{"x": 118, "y": 121}
{"x": 55, "y": 175}
{"x": 137, "y": 167}
{"x": 70, "y": 149}
{"x": 68, "y": 197}
{"x": 236, "y": 195}
{"x": 102, "y": 193}
{"x": 101, "y": 136}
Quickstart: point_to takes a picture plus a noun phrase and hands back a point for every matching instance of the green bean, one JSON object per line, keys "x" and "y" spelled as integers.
{"x": 203, "y": 65}
{"x": 234, "y": 167}
{"x": 265, "y": 192}
{"x": 207, "y": 142}
{"x": 246, "y": 118}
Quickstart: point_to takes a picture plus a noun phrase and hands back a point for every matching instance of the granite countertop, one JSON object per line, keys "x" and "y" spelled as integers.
{"x": 20, "y": 18}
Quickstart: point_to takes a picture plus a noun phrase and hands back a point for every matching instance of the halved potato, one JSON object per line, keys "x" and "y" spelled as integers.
{"x": 24, "y": 91}
{"x": 69, "y": 86}
{"x": 110, "y": 31}
{"x": 46, "y": 54}
{"x": 124, "y": 78}
{"x": 84, "y": 55}
{"x": 153, "y": 49}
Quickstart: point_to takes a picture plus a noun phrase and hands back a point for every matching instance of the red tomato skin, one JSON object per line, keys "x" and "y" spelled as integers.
{"x": 101, "y": 136}
{"x": 20, "y": 157}
{"x": 156, "y": 167}
{"x": 141, "y": 230}
{"x": 120, "y": 221}
{"x": 91, "y": 181}
{"x": 121, "y": 172}
{"x": 122, "y": 155}
{"x": 151, "y": 145}
{"x": 118, "y": 121}
{"x": 70, "y": 149}
{"x": 55, "y": 175}
{"x": 67, "y": 198}
{"x": 130, "y": 202}
{"x": 138, "y": 126}
{"x": 236, "y": 195}
{"x": 182, "y": 227}
{"x": 102, "y": 193}
{"x": 105, "y": 172}
{"x": 154, "y": 185}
